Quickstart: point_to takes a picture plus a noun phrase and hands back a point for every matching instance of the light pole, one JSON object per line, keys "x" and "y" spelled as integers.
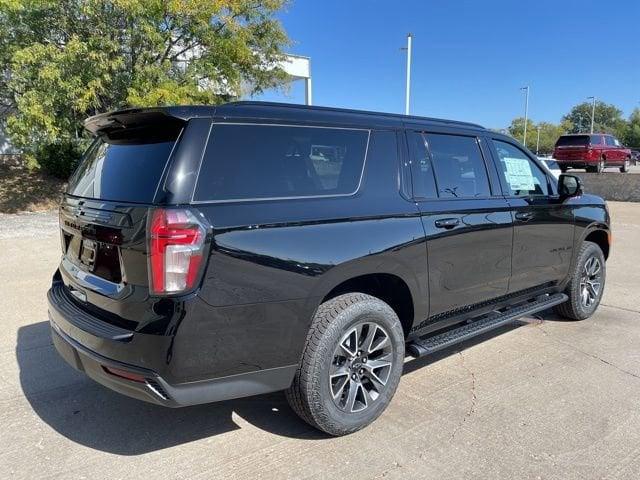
{"x": 526, "y": 113}
{"x": 593, "y": 110}
{"x": 408, "y": 87}
{"x": 538, "y": 142}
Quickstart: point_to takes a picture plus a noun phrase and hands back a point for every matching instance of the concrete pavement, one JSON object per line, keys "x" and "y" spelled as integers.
{"x": 544, "y": 399}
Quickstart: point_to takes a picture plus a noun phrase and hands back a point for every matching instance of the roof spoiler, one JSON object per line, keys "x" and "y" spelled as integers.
{"x": 134, "y": 124}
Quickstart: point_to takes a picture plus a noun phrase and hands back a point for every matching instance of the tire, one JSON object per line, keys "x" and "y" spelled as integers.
{"x": 601, "y": 165}
{"x": 625, "y": 167}
{"x": 576, "y": 308}
{"x": 323, "y": 401}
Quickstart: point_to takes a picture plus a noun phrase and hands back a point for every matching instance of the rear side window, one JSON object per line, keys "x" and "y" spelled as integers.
{"x": 244, "y": 162}
{"x": 573, "y": 141}
{"x": 520, "y": 175}
{"x": 126, "y": 171}
{"x": 596, "y": 139}
{"x": 458, "y": 165}
{"x": 424, "y": 182}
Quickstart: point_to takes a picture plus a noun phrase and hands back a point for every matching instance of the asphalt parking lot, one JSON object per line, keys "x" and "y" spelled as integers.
{"x": 544, "y": 399}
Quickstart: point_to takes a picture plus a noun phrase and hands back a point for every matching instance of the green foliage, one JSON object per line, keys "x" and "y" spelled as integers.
{"x": 607, "y": 119}
{"x": 516, "y": 129}
{"x": 631, "y": 136}
{"x": 549, "y": 133}
{"x": 59, "y": 158}
{"x": 62, "y": 61}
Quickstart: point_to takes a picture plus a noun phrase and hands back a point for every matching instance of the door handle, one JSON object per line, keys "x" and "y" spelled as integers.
{"x": 447, "y": 223}
{"x": 524, "y": 216}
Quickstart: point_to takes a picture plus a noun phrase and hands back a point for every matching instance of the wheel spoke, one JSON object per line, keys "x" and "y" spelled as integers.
{"x": 369, "y": 338}
{"x": 351, "y": 397}
{"x": 338, "y": 389}
{"x": 585, "y": 297}
{"x": 377, "y": 382}
{"x": 350, "y": 342}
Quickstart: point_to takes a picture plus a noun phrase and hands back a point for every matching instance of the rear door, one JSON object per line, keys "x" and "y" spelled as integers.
{"x": 103, "y": 220}
{"x": 543, "y": 224}
{"x": 467, "y": 223}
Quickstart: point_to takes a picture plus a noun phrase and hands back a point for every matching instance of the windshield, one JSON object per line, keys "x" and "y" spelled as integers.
{"x": 129, "y": 172}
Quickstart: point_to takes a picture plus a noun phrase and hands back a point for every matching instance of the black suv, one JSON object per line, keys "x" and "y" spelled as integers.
{"x": 211, "y": 253}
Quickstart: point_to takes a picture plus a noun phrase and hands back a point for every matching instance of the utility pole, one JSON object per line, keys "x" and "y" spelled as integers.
{"x": 593, "y": 110}
{"x": 526, "y": 114}
{"x": 538, "y": 142}
{"x": 408, "y": 87}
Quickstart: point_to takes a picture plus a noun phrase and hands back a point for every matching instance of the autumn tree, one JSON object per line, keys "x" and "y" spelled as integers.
{"x": 64, "y": 60}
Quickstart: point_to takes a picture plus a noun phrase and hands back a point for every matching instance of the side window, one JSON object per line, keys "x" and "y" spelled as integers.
{"x": 521, "y": 176}
{"x": 424, "y": 184}
{"x": 458, "y": 165}
{"x": 616, "y": 142}
{"x": 609, "y": 140}
{"x": 596, "y": 140}
{"x": 271, "y": 161}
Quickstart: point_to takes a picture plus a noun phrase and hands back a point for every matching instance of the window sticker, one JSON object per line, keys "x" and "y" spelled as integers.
{"x": 519, "y": 175}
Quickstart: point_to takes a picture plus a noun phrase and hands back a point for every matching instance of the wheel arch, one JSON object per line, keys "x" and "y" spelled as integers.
{"x": 601, "y": 237}
{"x": 388, "y": 287}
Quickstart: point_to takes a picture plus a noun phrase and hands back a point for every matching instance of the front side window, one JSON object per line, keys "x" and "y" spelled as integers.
{"x": 520, "y": 175}
{"x": 610, "y": 141}
{"x": 458, "y": 165}
{"x": 596, "y": 140}
{"x": 244, "y": 162}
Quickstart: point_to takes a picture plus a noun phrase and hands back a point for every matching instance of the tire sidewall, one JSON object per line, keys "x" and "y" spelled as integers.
{"x": 369, "y": 310}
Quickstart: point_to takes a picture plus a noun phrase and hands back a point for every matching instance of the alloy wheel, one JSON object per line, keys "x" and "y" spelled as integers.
{"x": 590, "y": 282}
{"x": 360, "y": 367}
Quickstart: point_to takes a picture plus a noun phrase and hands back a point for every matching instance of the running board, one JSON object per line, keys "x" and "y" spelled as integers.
{"x": 430, "y": 344}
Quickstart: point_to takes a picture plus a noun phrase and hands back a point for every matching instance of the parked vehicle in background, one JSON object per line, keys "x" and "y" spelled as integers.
{"x": 552, "y": 166}
{"x": 211, "y": 253}
{"x": 592, "y": 152}
{"x": 635, "y": 156}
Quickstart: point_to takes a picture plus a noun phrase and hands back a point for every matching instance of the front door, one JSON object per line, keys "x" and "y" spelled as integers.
{"x": 468, "y": 225}
{"x": 543, "y": 224}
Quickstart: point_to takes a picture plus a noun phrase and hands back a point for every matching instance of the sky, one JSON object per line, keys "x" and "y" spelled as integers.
{"x": 470, "y": 58}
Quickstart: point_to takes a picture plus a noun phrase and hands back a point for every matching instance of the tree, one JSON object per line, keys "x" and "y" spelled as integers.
{"x": 607, "y": 118}
{"x": 549, "y": 133}
{"x": 631, "y": 136}
{"x": 64, "y": 60}
{"x": 516, "y": 130}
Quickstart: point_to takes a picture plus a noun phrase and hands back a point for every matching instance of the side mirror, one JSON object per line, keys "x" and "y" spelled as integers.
{"x": 569, "y": 186}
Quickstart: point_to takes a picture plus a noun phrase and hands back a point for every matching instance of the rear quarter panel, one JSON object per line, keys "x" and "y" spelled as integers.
{"x": 273, "y": 262}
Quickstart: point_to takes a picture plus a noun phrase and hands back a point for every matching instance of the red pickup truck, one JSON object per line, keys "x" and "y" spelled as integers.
{"x": 592, "y": 152}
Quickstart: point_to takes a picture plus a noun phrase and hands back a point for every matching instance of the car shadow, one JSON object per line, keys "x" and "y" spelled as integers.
{"x": 92, "y": 415}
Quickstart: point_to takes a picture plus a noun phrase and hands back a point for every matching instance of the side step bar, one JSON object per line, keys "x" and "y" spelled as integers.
{"x": 430, "y": 344}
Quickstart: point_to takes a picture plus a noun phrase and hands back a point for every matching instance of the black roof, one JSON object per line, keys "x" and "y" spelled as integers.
{"x": 260, "y": 110}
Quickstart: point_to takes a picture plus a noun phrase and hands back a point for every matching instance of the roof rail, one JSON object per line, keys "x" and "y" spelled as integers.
{"x": 347, "y": 110}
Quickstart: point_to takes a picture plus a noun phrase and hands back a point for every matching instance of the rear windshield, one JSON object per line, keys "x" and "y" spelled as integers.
{"x": 244, "y": 162}
{"x": 124, "y": 171}
{"x": 573, "y": 141}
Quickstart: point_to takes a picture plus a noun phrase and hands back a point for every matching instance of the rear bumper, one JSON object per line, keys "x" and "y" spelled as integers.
{"x": 92, "y": 347}
{"x": 575, "y": 163}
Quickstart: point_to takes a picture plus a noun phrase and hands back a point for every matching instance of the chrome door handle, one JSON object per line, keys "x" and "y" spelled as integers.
{"x": 447, "y": 223}
{"x": 524, "y": 216}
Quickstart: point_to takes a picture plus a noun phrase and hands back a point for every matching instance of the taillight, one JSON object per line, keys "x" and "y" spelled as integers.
{"x": 176, "y": 250}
